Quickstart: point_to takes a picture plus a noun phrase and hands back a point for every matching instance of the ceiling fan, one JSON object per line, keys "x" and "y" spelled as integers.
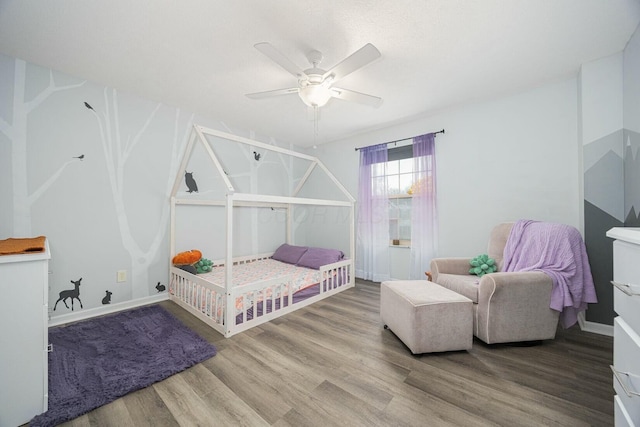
{"x": 315, "y": 85}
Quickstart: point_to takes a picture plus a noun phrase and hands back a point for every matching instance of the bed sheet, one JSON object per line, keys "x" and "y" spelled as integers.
{"x": 265, "y": 269}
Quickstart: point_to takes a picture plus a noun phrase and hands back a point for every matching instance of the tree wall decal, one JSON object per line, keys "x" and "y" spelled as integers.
{"x": 16, "y": 132}
{"x": 117, "y": 151}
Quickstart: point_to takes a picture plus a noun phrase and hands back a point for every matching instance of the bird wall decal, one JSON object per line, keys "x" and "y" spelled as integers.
{"x": 191, "y": 183}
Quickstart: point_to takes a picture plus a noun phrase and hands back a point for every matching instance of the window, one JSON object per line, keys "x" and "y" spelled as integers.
{"x": 397, "y": 175}
{"x": 400, "y": 220}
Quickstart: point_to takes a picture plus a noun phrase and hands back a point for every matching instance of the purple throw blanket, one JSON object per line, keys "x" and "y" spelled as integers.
{"x": 559, "y": 251}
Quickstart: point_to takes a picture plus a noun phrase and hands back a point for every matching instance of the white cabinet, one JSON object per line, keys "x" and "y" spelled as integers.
{"x": 23, "y": 337}
{"x": 626, "y": 328}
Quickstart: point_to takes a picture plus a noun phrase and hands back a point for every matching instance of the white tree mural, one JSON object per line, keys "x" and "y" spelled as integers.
{"x": 255, "y": 161}
{"x": 16, "y": 132}
{"x": 117, "y": 151}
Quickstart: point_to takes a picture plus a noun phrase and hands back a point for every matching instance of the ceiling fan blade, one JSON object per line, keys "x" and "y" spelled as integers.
{"x": 356, "y": 60}
{"x": 353, "y": 96}
{"x": 270, "y": 93}
{"x": 276, "y": 56}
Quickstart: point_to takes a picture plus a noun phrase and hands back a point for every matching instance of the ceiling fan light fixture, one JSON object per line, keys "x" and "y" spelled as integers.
{"x": 315, "y": 95}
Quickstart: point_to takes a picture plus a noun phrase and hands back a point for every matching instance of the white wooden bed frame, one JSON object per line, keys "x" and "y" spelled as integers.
{"x": 209, "y": 301}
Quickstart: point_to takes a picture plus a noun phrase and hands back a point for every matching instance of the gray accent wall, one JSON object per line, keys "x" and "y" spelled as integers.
{"x": 612, "y": 176}
{"x": 603, "y": 176}
{"x": 603, "y": 209}
{"x": 631, "y": 179}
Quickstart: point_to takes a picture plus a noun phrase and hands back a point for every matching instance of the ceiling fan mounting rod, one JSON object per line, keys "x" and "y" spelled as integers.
{"x": 314, "y": 57}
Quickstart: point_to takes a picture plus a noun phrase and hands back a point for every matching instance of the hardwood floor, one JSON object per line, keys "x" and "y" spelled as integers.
{"x": 332, "y": 363}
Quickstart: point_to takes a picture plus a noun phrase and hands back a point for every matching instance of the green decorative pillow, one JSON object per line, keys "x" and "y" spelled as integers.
{"x": 203, "y": 265}
{"x": 482, "y": 265}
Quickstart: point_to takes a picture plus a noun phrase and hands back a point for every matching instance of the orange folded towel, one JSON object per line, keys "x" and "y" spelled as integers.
{"x": 12, "y": 246}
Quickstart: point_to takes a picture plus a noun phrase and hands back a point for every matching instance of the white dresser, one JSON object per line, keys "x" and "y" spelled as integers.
{"x": 23, "y": 336}
{"x": 626, "y": 328}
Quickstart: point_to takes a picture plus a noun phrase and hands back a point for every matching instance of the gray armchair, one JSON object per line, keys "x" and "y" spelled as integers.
{"x": 507, "y": 306}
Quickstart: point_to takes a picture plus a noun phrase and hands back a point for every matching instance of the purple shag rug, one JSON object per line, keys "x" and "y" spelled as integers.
{"x": 96, "y": 361}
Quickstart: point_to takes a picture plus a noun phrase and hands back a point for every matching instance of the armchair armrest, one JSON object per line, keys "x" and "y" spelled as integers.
{"x": 449, "y": 266}
{"x": 524, "y": 289}
{"x": 514, "y": 306}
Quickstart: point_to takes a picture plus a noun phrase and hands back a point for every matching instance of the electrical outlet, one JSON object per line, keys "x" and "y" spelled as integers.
{"x": 121, "y": 276}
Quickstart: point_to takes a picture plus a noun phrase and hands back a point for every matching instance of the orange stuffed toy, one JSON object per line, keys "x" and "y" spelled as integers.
{"x": 187, "y": 257}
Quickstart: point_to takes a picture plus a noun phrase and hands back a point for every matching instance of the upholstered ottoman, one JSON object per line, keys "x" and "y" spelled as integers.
{"x": 425, "y": 316}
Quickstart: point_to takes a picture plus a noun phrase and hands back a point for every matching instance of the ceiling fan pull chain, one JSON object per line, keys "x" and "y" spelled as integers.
{"x": 315, "y": 124}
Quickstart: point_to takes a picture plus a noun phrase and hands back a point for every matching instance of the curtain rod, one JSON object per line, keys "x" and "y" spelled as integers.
{"x": 396, "y": 141}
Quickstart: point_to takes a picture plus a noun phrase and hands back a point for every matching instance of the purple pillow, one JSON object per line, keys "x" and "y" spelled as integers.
{"x": 317, "y": 257}
{"x": 288, "y": 253}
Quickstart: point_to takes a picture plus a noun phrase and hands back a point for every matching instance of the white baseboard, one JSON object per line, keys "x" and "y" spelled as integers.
{"x": 597, "y": 328}
{"x": 106, "y": 309}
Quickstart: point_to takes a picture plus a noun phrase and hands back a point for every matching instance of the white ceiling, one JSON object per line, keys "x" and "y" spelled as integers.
{"x": 199, "y": 54}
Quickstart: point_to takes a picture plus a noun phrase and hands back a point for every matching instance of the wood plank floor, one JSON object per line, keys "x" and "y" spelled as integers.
{"x": 332, "y": 363}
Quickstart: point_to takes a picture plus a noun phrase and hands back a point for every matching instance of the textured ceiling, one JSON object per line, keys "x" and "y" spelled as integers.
{"x": 199, "y": 54}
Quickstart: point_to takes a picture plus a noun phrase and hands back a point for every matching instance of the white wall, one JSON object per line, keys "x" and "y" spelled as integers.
{"x": 512, "y": 158}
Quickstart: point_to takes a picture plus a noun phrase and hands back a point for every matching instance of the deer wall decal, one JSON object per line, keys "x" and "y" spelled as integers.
{"x": 71, "y": 293}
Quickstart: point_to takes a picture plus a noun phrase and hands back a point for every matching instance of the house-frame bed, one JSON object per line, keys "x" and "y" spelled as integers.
{"x": 230, "y": 307}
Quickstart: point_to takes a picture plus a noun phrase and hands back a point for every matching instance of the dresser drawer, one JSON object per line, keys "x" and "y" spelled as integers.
{"x": 626, "y": 362}
{"x": 626, "y": 275}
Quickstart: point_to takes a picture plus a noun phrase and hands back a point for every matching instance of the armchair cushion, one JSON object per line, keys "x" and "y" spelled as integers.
{"x": 466, "y": 285}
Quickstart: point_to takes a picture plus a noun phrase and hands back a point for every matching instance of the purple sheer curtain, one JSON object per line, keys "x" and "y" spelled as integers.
{"x": 424, "y": 214}
{"x": 372, "y": 239}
